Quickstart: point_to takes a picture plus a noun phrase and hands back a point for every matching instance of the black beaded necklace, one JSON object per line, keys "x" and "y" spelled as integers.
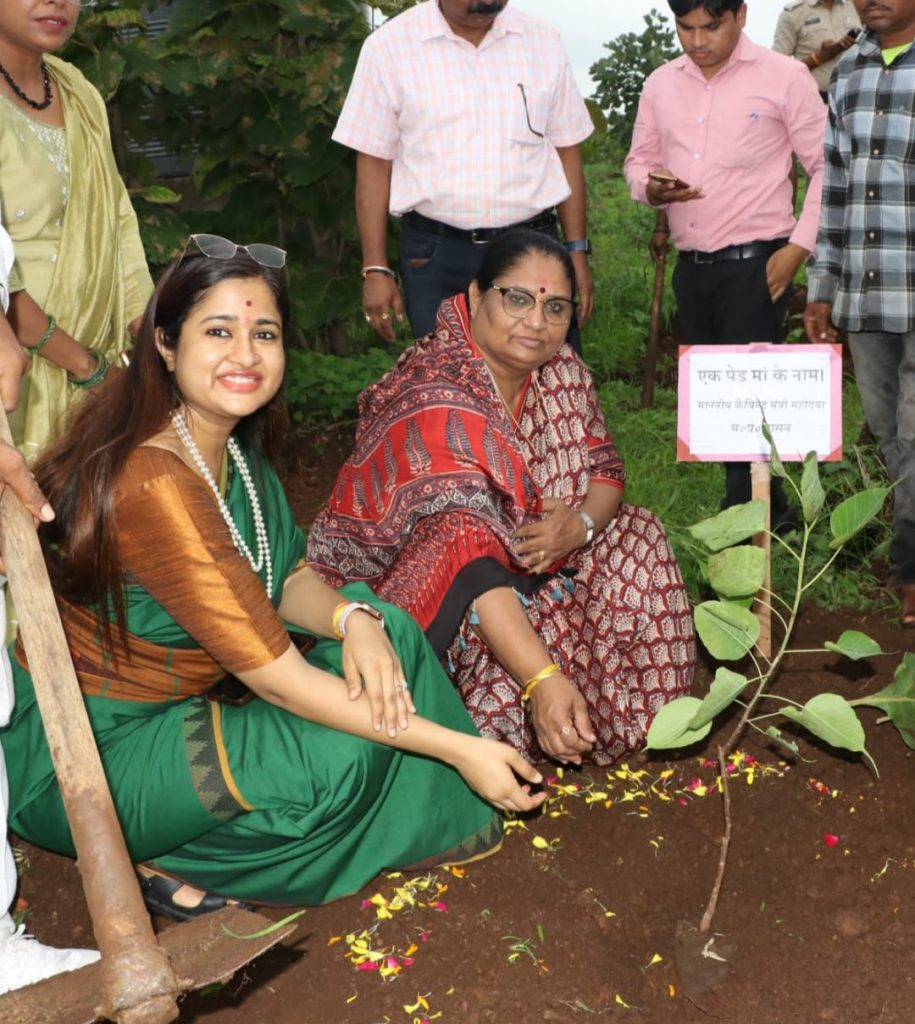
{"x": 45, "y": 103}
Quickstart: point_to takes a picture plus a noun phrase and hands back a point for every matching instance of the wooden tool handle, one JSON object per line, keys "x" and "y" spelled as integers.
{"x": 136, "y": 971}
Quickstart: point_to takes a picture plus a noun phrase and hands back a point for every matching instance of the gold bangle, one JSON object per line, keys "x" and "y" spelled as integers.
{"x": 338, "y": 611}
{"x": 551, "y": 670}
{"x": 816, "y": 60}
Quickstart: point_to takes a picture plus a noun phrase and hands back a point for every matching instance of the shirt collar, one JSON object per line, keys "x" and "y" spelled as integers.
{"x": 435, "y": 26}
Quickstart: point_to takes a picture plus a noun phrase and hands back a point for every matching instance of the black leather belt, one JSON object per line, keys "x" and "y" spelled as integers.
{"x": 747, "y": 251}
{"x": 542, "y": 222}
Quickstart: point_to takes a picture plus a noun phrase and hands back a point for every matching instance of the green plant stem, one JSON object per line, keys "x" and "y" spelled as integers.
{"x": 828, "y": 564}
{"x": 779, "y": 657}
{"x": 772, "y": 608}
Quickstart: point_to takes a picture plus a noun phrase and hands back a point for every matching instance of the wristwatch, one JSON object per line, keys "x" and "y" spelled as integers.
{"x": 579, "y": 245}
{"x": 589, "y": 526}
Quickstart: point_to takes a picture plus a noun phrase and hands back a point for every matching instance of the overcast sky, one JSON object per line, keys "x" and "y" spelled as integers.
{"x": 587, "y": 24}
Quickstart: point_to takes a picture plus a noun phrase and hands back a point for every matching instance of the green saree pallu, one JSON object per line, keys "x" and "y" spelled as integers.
{"x": 250, "y": 801}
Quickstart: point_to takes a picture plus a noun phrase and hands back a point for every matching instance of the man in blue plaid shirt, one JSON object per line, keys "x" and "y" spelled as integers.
{"x": 863, "y": 275}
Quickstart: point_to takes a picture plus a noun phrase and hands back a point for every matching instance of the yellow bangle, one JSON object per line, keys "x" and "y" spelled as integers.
{"x": 545, "y": 673}
{"x": 338, "y": 611}
{"x": 816, "y": 60}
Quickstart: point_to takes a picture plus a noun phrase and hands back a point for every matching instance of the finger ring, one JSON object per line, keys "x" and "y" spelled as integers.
{"x": 565, "y": 730}
{"x": 403, "y": 685}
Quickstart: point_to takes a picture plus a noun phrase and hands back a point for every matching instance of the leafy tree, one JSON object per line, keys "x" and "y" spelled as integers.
{"x": 247, "y": 92}
{"x": 622, "y": 73}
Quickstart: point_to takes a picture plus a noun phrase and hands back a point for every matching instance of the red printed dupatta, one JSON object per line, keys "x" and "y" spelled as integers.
{"x": 442, "y": 472}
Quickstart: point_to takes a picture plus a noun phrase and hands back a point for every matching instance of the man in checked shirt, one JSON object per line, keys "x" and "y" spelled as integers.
{"x": 467, "y": 121}
{"x": 863, "y": 276}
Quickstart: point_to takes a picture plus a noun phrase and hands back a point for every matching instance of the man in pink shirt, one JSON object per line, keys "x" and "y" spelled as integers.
{"x": 713, "y": 145}
{"x": 467, "y": 121}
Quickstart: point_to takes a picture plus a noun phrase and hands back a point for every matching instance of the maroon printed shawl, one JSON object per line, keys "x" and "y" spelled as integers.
{"x": 439, "y": 462}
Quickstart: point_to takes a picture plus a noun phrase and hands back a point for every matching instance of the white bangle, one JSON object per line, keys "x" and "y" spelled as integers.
{"x": 589, "y": 526}
{"x": 357, "y": 606}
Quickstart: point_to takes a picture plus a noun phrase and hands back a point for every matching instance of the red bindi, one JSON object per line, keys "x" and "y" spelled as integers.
{"x": 249, "y": 303}
{"x": 542, "y": 291}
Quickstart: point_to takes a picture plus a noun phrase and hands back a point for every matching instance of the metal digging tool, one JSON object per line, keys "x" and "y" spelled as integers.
{"x": 139, "y": 980}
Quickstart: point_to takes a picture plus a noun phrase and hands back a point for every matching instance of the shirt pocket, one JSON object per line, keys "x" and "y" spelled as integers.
{"x": 746, "y": 137}
{"x": 529, "y": 110}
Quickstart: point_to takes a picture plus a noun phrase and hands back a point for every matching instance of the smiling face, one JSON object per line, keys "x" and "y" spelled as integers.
{"x": 514, "y": 347}
{"x": 229, "y": 360}
{"x": 36, "y": 26}
{"x": 709, "y": 41}
{"x": 892, "y": 20}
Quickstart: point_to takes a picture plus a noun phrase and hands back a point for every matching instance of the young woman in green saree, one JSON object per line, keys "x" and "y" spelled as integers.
{"x": 176, "y": 560}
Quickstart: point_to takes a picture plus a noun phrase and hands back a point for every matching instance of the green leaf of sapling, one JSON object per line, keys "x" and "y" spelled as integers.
{"x": 725, "y": 688}
{"x": 670, "y": 729}
{"x": 830, "y": 717}
{"x": 854, "y": 645}
{"x": 738, "y": 571}
{"x": 853, "y": 514}
{"x": 813, "y": 497}
{"x": 727, "y": 630}
{"x": 732, "y": 526}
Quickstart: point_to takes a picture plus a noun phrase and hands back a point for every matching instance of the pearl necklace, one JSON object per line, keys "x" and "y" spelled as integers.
{"x": 263, "y": 543}
{"x": 46, "y": 78}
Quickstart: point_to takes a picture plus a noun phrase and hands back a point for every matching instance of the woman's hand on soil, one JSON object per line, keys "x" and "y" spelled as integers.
{"x": 561, "y": 721}
{"x": 492, "y": 769}
{"x": 559, "y": 533}
{"x": 371, "y": 664}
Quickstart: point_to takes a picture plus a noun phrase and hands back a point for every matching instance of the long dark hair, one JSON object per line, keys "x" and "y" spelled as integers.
{"x": 79, "y": 472}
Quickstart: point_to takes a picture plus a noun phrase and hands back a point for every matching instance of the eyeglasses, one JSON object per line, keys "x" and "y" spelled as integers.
{"x": 519, "y": 303}
{"x": 219, "y": 248}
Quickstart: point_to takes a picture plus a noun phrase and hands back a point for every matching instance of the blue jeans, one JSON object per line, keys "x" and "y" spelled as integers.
{"x": 434, "y": 267}
{"x": 885, "y": 370}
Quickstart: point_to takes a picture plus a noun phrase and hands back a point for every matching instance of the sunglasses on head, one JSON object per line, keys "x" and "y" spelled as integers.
{"x": 218, "y": 248}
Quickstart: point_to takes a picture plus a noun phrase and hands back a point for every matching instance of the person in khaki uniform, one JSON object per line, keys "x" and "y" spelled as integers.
{"x": 817, "y": 32}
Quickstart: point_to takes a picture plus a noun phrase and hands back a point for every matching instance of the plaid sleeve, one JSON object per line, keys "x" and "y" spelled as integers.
{"x": 823, "y": 275}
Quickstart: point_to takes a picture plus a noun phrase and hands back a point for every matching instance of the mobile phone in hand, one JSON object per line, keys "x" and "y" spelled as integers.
{"x": 667, "y": 179}
{"x": 854, "y": 32}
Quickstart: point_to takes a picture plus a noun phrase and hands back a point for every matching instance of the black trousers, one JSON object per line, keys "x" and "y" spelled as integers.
{"x": 728, "y": 303}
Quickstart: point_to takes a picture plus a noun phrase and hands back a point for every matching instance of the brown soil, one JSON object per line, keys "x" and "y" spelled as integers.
{"x": 578, "y": 915}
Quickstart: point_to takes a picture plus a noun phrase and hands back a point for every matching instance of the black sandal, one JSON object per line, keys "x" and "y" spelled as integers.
{"x": 158, "y": 895}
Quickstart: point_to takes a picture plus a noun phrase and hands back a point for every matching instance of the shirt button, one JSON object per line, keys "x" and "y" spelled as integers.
{"x": 696, "y": 156}
{"x": 870, "y": 274}
{"x": 870, "y": 194}
{"x": 20, "y": 213}
{"x": 701, "y": 120}
{"x": 876, "y": 152}
{"x": 53, "y": 257}
{"x": 872, "y": 234}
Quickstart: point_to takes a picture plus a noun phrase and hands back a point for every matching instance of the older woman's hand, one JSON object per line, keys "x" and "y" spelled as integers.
{"x": 544, "y": 543}
{"x": 561, "y": 720}
{"x": 371, "y": 664}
